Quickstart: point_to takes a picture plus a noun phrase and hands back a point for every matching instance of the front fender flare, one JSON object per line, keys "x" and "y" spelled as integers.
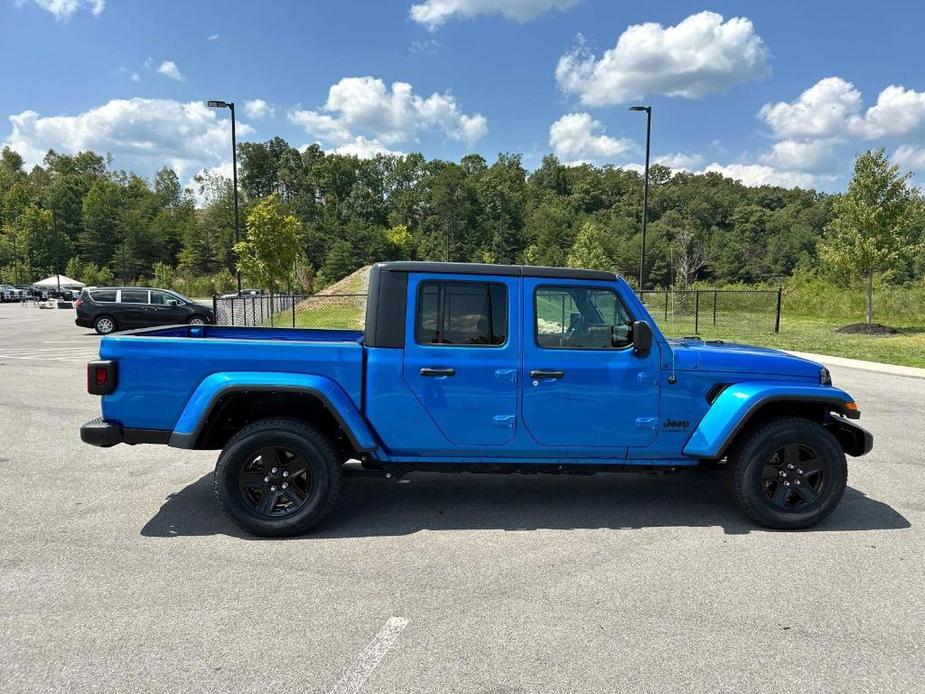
{"x": 739, "y": 402}
{"x": 216, "y": 386}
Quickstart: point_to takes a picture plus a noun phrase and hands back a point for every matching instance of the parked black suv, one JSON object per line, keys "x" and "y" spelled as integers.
{"x": 107, "y": 309}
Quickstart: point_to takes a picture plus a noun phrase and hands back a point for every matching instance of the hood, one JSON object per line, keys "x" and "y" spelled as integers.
{"x": 719, "y": 356}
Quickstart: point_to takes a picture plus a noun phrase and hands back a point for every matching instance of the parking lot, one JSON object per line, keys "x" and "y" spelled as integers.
{"x": 118, "y": 572}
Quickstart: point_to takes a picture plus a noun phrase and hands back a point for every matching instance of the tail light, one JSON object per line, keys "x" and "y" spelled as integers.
{"x": 102, "y": 376}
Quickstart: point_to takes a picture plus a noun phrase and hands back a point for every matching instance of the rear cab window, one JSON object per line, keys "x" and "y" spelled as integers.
{"x": 581, "y": 317}
{"x": 461, "y": 313}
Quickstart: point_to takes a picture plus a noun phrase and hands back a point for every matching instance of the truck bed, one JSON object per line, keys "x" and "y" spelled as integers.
{"x": 159, "y": 368}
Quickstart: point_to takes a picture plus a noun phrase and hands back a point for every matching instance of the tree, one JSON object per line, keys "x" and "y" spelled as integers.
{"x": 271, "y": 250}
{"x": 591, "y": 249}
{"x": 873, "y": 226}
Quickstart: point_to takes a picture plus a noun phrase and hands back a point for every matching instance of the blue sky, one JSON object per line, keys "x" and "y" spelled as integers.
{"x": 783, "y": 92}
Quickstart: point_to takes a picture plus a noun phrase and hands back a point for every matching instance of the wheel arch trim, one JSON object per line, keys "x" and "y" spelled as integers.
{"x": 738, "y": 404}
{"x": 208, "y": 394}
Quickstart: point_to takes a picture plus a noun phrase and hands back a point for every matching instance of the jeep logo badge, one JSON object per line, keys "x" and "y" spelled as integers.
{"x": 677, "y": 424}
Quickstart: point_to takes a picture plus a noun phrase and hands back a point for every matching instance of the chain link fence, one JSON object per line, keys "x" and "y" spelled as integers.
{"x": 711, "y": 312}
{"x": 714, "y": 312}
{"x": 333, "y": 311}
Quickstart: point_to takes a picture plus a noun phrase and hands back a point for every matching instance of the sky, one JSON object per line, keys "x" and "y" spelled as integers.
{"x": 783, "y": 93}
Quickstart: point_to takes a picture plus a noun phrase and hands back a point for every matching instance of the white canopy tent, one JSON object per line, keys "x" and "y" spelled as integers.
{"x": 56, "y": 281}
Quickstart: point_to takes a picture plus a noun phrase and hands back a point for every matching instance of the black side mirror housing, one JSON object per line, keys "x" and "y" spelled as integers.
{"x": 642, "y": 338}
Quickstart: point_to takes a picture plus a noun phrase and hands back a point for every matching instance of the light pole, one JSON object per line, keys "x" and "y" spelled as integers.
{"x": 234, "y": 175}
{"x": 645, "y": 193}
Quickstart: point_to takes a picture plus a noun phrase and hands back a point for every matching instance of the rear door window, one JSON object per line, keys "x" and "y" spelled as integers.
{"x": 461, "y": 313}
{"x": 134, "y": 296}
{"x": 104, "y": 295}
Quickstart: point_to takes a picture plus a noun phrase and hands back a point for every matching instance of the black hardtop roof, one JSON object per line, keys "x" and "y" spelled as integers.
{"x": 488, "y": 269}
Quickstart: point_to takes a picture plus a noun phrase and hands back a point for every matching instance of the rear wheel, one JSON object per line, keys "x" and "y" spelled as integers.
{"x": 278, "y": 477}
{"x": 197, "y": 320}
{"x": 789, "y": 473}
{"x": 104, "y": 325}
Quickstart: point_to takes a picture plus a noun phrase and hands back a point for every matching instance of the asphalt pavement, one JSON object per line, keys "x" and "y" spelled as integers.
{"x": 119, "y": 574}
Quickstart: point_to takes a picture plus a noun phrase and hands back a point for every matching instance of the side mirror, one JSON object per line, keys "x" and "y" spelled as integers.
{"x": 642, "y": 338}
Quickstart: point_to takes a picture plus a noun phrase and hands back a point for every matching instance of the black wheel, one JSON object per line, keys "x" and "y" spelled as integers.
{"x": 196, "y": 320}
{"x": 789, "y": 473}
{"x": 104, "y": 325}
{"x": 278, "y": 477}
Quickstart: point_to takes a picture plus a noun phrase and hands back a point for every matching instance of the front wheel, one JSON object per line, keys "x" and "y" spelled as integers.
{"x": 789, "y": 473}
{"x": 278, "y": 477}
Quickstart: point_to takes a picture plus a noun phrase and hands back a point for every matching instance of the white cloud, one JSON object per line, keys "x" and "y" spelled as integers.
{"x": 909, "y": 157}
{"x": 802, "y": 155}
{"x": 258, "y": 109}
{"x": 700, "y": 55}
{"x": 680, "y": 161}
{"x": 363, "y": 107}
{"x": 212, "y": 37}
{"x": 822, "y": 110}
{"x": 763, "y": 175}
{"x": 435, "y": 13}
{"x": 142, "y": 134}
{"x": 364, "y": 148}
{"x": 64, "y": 9}
{"x": 833, "y": 108}
{"x": 576, "y": 138}
{"x": 169, "y": 69}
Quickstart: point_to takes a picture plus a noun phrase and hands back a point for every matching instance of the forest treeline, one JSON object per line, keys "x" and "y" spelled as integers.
{"x": 75, "y": 214}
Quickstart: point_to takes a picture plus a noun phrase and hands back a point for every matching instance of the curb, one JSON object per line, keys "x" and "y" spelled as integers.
{"x": 879, "y": 367}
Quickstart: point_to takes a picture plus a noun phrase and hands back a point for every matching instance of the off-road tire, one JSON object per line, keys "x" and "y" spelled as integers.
{"x": 745, "y": 470}
{"x": 306, "y": 440}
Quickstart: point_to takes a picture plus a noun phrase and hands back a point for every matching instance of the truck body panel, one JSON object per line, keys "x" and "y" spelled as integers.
{"x": 417, "y": 387}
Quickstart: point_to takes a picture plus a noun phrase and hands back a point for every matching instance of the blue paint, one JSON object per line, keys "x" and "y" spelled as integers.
{"x": 608, "y": 405}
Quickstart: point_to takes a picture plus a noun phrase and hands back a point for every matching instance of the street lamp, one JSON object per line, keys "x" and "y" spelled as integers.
{"x": 234, "y": 174}
{"x": 645, "y": 192}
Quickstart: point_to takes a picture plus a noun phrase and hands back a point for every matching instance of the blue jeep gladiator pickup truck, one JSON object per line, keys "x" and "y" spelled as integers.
{"x": 487, "y": 368}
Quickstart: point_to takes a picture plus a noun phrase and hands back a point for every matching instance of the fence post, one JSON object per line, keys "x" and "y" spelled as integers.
{"x": 777, "y": 318}
{"x": 667, "y": 289}
{"x": 292, "y": 299}
{"x": 696, "y": 312}
{"x": 232, "y": 310}
{"x": 714, "y": 307}
{"x": 215, "y": 308}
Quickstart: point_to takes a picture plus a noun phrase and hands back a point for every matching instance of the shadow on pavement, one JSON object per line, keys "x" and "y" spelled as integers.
{"x": 440, "y": 501}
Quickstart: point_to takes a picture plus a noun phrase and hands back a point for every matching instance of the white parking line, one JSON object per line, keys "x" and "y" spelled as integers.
{"x": 361, "y": 668}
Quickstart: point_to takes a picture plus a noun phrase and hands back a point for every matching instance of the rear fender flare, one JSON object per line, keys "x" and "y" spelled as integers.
{"x": 213, "y": 388}
{"x": 740, "y": 402}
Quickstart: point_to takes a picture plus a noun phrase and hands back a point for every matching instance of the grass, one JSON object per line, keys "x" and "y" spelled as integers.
{"x": 817, "y": 335}
{"x": 801, "y": 333}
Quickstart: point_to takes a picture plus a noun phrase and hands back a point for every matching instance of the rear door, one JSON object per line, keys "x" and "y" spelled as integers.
{"x": 460, "y": 359}
{"x": 134, "y": 310}
{"x": 584, "y": 387}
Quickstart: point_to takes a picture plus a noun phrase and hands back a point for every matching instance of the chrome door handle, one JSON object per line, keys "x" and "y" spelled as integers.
{"x": 437, "y": 373}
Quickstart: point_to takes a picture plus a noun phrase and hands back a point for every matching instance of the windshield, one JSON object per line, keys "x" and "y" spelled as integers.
{"x": 182, "y": 298}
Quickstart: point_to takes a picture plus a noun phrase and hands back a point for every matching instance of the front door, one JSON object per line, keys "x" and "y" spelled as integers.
{"x": 460, "y": 359}
{"x": 584, "y": 387}
{"x": 165, "y": 309}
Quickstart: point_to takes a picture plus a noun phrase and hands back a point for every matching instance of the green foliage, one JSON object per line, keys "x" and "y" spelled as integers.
{"x": 351, "y": 212}
{"x": 271, "y": 251}
{"x": 873, "y": 227}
